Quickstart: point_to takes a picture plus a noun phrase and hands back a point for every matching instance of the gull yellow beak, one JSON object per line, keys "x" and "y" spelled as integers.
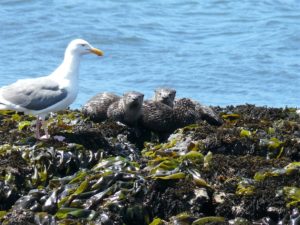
{"x": 96, "y": 51}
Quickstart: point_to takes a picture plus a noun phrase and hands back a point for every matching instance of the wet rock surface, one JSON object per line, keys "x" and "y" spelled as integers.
{"x": 245, "y": 171}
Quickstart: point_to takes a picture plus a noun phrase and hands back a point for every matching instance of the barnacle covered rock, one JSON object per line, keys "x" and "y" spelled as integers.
{"x": 245, "y": 171}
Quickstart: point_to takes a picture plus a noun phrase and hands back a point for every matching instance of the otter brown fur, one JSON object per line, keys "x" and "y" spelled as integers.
{"x": 157, "y": 117}
{"x": 165, "y": 96}
{"x": 187, "y": 111}
{"x": 157, "y": 114}
{"x": 127, "y": 109}
{"x": 96, "y": 107}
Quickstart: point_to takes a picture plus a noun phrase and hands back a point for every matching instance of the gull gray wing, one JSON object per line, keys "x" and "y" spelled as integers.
{"x": 34, "y": 94}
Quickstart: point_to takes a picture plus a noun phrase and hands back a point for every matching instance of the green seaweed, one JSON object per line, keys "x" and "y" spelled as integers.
{"x": 83, "y": 184}
{"x": 157, "y": 221}
{"x": 194, "y": 156}
{"x": 274, "y": 143}
{"x": 2, "y": 214}
{"x": 184, "y": 218}
{"x": 207, "y": 159}
{"x": 245, "y": 133}
{"x": 209, "y": 219}
{"x": 16, "y": 117}
{"x": 245, "y": 187}
{"x": 274, "y": 146}
{"x": 6, "y": 112}
{"x": 288, "y": 170}
{"x": 292, "y": 195}
{"x": 260, "y": 176}
{"x": 64, "y": 213}
{"x": 116, "y": 164}
{"x": 231, "y": 116}
{"x": 292, "y": 167}
{"x": 23, "y": 124}
{"x": 165, "y": 165}
{"x": 194, "y": 146}
{"x": 80, "y": 176}
{"x": 271, "y": 130}
{"x": 6, "y": 148}
{"x": 174, "y": 176}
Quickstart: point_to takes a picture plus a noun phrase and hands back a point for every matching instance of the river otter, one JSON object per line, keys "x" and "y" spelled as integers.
{"x": 127, "y": 109}
{"x": 96, "y": 107}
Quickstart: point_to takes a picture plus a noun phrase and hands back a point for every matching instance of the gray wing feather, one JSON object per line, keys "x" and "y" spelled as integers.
{"x": 34, "y": 94}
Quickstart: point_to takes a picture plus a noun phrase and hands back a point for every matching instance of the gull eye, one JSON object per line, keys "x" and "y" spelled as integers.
{"x": 82, "y": 45}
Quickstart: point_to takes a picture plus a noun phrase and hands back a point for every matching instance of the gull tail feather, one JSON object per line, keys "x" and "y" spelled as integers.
{"x": 4, "y": 105}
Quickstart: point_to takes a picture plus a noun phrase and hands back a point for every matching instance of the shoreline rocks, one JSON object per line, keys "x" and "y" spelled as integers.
{"x": 245, "y": 171}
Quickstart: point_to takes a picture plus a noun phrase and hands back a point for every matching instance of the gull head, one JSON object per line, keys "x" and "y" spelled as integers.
{"x": 82, "y": 47}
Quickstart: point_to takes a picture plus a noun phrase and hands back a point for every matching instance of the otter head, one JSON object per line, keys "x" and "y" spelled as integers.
{"x": 132, "y": 106}
{"x": 133, "y": 101}
{"x": 165, "y": 96}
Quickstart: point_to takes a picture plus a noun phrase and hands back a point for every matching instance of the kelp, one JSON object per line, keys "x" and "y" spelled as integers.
{"x": 292, "y": 195}
{"x": 245, "y": 187}
{"x": 231, "y": 116}
{"x": 188, "y": 219}
{"x": 205, "y": 220}
{"x": 76, "y": 197}
{"x": 245, "y": 171}
{"x": 2, "y": 214}
{"x": 157, "y": 221}
{"x": 64, "y": 213}
{"x": 289, "y": 169}
{"x": 275, "y": 147}
{"x": 245, "y": 133}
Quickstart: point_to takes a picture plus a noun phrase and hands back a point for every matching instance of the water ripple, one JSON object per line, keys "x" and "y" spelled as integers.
{"x": 219, "y": 52}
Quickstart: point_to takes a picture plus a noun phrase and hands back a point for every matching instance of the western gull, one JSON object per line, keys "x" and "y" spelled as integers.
{"x": 42, "y": 95}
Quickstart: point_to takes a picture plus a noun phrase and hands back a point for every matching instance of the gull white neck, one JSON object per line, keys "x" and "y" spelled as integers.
{"x": 69, "y": 68}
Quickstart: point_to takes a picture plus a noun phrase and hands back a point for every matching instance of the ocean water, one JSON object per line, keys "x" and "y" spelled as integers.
{"x": 219, "y": 52}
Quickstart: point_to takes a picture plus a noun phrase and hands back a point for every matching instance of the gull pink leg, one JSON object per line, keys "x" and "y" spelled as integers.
{"x": 37, "y": 128}
{"x": 45, "y": 127}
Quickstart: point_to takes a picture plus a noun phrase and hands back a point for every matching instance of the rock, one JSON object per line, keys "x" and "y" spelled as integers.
{"x": 245, "y": 171}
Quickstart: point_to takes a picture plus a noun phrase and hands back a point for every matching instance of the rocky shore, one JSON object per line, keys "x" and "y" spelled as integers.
{"x": 245, "y": 171}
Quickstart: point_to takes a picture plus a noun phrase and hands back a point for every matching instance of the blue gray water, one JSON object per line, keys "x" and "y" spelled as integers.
{"x": 220, "y": 52}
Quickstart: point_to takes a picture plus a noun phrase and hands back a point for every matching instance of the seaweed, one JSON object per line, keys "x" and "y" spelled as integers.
{"x": 245, "y": 171}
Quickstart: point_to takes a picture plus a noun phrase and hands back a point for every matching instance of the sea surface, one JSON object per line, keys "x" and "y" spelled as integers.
{"x": 219, "y": 52}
